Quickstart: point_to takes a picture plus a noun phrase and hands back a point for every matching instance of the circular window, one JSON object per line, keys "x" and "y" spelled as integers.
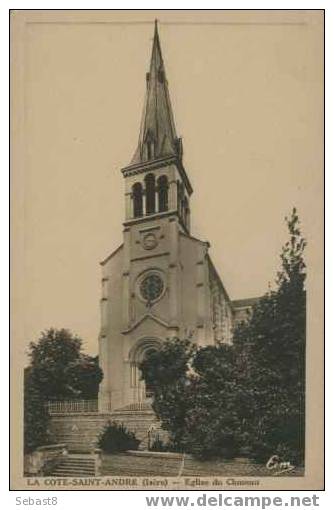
{"x": 151, "y": 287}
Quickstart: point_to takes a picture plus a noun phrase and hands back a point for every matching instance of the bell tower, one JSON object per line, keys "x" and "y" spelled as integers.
{"x": 156, "y": 183}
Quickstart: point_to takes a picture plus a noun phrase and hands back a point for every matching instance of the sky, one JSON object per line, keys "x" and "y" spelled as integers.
{"x": 246, "y": 91}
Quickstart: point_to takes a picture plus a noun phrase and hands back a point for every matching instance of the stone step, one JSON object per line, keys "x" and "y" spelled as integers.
{"x": 72, "y": 474}
{"x": 77, "y": 460}
{"x": 75, "y": 440}
{"x": 75, "y": 466}
{"x": 73, "y": 471}
{"x": 84, "y": 465}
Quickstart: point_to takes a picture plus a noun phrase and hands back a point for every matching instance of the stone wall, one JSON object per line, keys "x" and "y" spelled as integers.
{"x": 43, "y": 458}
{"x": 80, "y": 432}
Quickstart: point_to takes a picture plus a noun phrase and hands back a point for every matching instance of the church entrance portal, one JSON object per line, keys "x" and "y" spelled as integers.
{"x": 141, "y": 391}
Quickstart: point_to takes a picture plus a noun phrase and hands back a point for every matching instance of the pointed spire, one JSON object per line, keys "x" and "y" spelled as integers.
{"x": 157, "y": 133}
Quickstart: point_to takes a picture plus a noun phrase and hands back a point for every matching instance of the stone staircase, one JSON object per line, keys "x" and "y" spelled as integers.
{"x": 75, "y": 466}
{"x": 80, "y": 431}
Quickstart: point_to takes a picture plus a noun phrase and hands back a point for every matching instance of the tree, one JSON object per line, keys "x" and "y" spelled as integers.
{"x": 217, "y": 399}
{"x": 36, "y": 418}
{"x": 85, "y": 375}
{"x": 60, "y": 370}
{"x": 271, "y": 354}
{"x": 195, "y": 395}
{"x": 213, "y": 422}
{"x": 167, "y": 372}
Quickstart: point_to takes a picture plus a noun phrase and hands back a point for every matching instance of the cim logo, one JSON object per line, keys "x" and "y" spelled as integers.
{"x": 276, "y": 466}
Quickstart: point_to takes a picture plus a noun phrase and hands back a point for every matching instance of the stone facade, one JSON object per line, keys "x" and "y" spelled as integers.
{"x": 160, "y": 282}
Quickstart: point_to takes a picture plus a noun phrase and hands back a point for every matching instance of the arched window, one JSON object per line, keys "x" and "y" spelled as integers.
{"x": 137, "y": 197}
{"x": 163, "y": 193}
{"x": 150, "y": 193}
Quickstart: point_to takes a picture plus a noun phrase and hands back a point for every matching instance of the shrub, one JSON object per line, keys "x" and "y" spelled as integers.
{"x": 159, "y": 446}
{"x": 116, "y": 438}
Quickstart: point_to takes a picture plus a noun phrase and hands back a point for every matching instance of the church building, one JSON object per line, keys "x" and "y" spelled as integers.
{"x": 161, "y": 282}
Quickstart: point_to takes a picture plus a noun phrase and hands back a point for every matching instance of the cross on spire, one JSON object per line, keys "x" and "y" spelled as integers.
{"x": 157, "y": 137}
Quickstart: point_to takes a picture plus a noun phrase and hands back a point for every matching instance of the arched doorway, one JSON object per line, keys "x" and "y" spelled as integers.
{"x": 148, "y": 387}
{"x": 141, "y": 350}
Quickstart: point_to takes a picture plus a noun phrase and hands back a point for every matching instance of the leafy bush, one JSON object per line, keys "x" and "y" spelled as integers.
{"x": 116, "y": 438}
{"x": 159, "y": 446}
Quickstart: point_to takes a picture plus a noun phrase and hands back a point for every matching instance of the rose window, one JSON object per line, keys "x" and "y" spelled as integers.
{"x": 151, "y": 287}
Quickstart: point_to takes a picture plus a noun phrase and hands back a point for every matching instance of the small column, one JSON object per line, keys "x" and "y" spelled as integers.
{"x": 172, "y": 196}
{"x": 155, "y": 200}
{"x": 128, "y": 206}
{"x": 144, "y": 203}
